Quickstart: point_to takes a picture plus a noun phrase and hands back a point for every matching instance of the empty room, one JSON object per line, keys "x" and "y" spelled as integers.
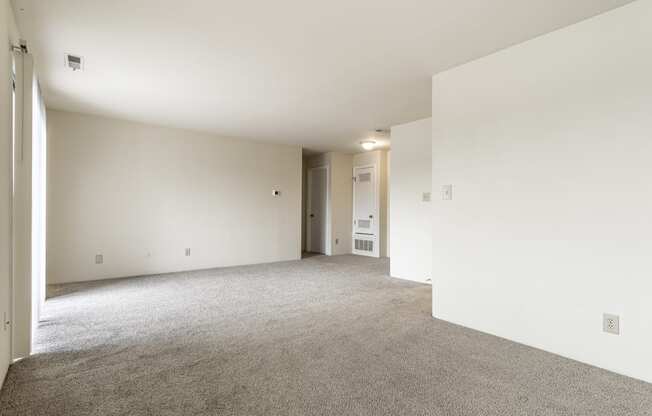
{"x": 326, "y": 208}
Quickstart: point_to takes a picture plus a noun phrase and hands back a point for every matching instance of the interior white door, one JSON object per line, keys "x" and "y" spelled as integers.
{"x": 317, "y": 209}
{"x": 365, "y": 201}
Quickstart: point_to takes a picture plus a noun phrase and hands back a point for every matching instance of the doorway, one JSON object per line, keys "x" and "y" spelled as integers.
{"x": 317, "y": 211}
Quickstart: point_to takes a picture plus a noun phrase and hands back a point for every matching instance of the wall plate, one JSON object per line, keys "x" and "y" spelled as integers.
{"x": 611, "y": 324}
{"x": 447, "y": 192}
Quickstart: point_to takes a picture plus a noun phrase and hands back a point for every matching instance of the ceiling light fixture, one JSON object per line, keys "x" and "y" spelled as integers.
{"x": 368, "y": 144}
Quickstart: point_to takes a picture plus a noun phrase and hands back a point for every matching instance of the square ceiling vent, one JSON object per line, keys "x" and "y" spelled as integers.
{"x": 74, "y": 62}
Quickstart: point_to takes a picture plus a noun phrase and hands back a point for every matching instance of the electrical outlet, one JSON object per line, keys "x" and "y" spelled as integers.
{"x": 611, "y": 324}
{"x": 99, "y": 259}
{"x": 187, "y": 252}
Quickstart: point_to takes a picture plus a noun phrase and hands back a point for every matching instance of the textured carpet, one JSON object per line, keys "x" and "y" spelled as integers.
{"x": 321, "y": 336}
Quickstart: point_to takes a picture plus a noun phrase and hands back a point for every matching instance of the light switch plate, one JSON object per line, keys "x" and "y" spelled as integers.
{"x": 426, "y": 197}
{"x": 447, "y": 192}
{"x": 99, "y": 259}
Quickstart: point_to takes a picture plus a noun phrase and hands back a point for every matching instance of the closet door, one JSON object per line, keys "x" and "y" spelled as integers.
{"x": 317, "y": 209}
{"x": 365, "y": 209}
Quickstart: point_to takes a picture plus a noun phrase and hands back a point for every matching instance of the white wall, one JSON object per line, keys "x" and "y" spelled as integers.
{"x": 410, "y": 178}
{"x": 341, "y": 202}
{"x": 8, "y": 35}
{"x": 140, "y": 195}
{"x": 549, "y": 146}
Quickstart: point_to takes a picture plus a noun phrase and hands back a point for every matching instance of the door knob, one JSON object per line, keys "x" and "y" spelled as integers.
{"x": 371, "y": 217}
{"x": 312, "y": 215}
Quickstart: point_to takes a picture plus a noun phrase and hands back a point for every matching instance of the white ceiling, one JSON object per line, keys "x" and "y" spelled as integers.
{"x": 324, "y": 74}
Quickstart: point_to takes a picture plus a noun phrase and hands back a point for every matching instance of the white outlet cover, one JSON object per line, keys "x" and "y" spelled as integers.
{"x": 611, "y": 324}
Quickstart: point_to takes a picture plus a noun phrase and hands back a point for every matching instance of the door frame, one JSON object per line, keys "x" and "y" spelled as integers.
{"x": 327, "y": 247}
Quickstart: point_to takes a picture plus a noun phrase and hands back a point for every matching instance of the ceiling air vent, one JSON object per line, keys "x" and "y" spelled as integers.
{"x": 74, "y": 62}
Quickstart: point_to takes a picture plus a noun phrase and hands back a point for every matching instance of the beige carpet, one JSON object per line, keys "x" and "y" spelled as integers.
{"x": 321, "y": 336}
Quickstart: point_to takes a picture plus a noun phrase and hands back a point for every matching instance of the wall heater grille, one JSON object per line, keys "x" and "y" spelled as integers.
{"x": 364, "y": 224}
{"x": 364, "y": 245}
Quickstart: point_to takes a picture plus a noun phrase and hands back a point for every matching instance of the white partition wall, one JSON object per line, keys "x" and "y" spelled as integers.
{"x": 548, "y": 148}
{"x": 342, "y": 202}
{"x": 410, "y": 206}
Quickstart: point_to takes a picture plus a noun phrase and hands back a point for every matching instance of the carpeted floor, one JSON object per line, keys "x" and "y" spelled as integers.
{"x": 321, "y": 336}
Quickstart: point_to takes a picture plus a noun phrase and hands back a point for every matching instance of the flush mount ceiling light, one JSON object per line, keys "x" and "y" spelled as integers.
{"x": 368, "y": 144}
